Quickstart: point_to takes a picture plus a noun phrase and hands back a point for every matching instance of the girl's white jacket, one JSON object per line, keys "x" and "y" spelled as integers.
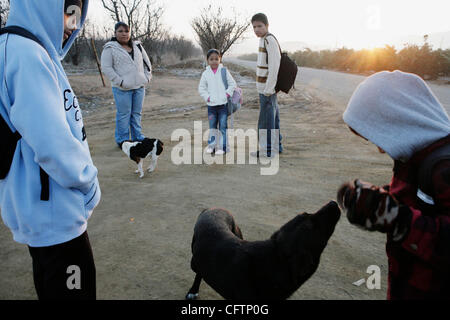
{"x": 211, "y": 86}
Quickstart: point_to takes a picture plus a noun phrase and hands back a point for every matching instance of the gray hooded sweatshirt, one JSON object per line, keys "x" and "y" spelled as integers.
{"x": 124, "y": 72}
{"x": 397, "y": 112}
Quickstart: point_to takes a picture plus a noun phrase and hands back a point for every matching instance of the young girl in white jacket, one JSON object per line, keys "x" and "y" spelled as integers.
{"x": 212, "y": 90}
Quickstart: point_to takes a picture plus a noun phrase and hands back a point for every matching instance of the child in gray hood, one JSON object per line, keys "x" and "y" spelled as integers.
{"x": 399, "y": 114}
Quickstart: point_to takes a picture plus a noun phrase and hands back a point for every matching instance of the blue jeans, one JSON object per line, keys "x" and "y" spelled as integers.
{"x": 129, "y": 113}
{"x": 218, "y": 118}
{"x": 269, "y": 119}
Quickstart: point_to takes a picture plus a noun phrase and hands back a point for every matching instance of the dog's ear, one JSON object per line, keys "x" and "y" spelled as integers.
{"x": 237, "y": 231}
{"x": 133, "y": 155}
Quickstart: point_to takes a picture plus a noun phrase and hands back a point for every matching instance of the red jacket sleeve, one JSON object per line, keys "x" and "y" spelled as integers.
{"x": 429, "y": 237}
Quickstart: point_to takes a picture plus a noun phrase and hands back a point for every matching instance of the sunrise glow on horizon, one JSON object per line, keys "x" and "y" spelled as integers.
{"x": 324, "y": 23}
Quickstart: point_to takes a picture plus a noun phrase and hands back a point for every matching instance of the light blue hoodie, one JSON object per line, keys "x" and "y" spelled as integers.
{"x": 36, "y": 100}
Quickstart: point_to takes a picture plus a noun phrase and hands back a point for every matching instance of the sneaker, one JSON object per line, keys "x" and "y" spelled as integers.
{"x": 209, "y": 150}
{"x": 220, "y": 152}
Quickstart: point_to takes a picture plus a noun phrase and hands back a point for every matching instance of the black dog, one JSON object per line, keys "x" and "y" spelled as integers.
{"x": 273, "y": 269}
{"x": 138, "y": 151}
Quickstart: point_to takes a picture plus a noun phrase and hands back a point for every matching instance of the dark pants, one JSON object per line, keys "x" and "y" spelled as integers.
{"x": 65, "y": 271}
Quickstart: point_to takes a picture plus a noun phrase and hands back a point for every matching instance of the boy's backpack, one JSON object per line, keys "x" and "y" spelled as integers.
{"x": 234, "y": 102}
{"x": 425, "y": 191}
{"x": 9, "y": 137}
{"x": 287, "y": 72}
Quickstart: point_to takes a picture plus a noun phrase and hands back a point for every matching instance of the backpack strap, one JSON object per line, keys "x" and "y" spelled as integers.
{"x": 265, "y": 47}
{"x": 425, "y": 184}
{"x": 45, "y": 184}
{"x": 143, "y": 60}
{"x": 229, "y": 106}
{"x": 224, "y": 77}
{"x": 26, "y": 34}
{"x": 21, "y": 32}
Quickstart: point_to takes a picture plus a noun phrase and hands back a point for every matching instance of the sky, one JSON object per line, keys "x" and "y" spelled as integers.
{"x": 324, "y": 23}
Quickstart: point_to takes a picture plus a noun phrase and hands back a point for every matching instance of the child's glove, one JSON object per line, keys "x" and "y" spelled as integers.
{"x": 373, "y": 209}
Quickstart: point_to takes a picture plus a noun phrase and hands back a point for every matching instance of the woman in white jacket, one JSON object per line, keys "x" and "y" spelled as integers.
{"x": 128, "y": 67}
{"x": 212, "y": 90}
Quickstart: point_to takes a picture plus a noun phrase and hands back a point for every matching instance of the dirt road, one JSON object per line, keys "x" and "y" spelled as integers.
{"x": 142, "y": 229}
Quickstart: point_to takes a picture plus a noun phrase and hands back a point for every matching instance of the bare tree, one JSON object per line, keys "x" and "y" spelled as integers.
{"x": 145, "y": 20}
{"x": 214, "y": 30}
{"x": 113, "y": 7}
{"x": 4, "y": 10}
{"x": 143, "y": 16}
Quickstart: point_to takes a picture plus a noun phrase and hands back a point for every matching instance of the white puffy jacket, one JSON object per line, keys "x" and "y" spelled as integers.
{"x": 211, "y": 86}
{"x": 124, "y": 72}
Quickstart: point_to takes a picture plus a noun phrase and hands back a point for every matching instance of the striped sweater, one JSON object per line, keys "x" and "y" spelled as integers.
{"x": 268, "y": 64}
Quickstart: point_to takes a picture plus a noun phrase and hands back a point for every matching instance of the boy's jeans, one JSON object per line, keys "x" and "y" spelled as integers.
{"x": 129, "y": 113}
{"x": 218, "y": 115}
{"x": 268, "y": 123}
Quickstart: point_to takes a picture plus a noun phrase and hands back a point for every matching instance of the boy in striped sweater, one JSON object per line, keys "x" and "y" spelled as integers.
{"x": 268, "y": 64}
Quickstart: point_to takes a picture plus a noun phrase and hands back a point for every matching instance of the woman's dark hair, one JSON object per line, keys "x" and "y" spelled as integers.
{"x": 211, "y": 51}
{"x": 117, "y": 26}
{"x": 261, "y": 17}
{"x": 121, "y": 24}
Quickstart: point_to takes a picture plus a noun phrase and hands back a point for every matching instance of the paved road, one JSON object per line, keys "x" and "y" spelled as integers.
{"x": 337, "y": 87}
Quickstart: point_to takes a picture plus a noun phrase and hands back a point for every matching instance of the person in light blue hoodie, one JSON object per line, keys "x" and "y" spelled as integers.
{"x": 51, "y": 188}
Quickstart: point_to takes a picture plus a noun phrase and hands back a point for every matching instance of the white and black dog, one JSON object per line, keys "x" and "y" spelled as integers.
{"x": 139, "y": 150}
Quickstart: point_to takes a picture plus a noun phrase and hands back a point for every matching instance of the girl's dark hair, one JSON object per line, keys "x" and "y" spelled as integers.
{"x": 211, "y": 51}
{"x": 261, "y": 17}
